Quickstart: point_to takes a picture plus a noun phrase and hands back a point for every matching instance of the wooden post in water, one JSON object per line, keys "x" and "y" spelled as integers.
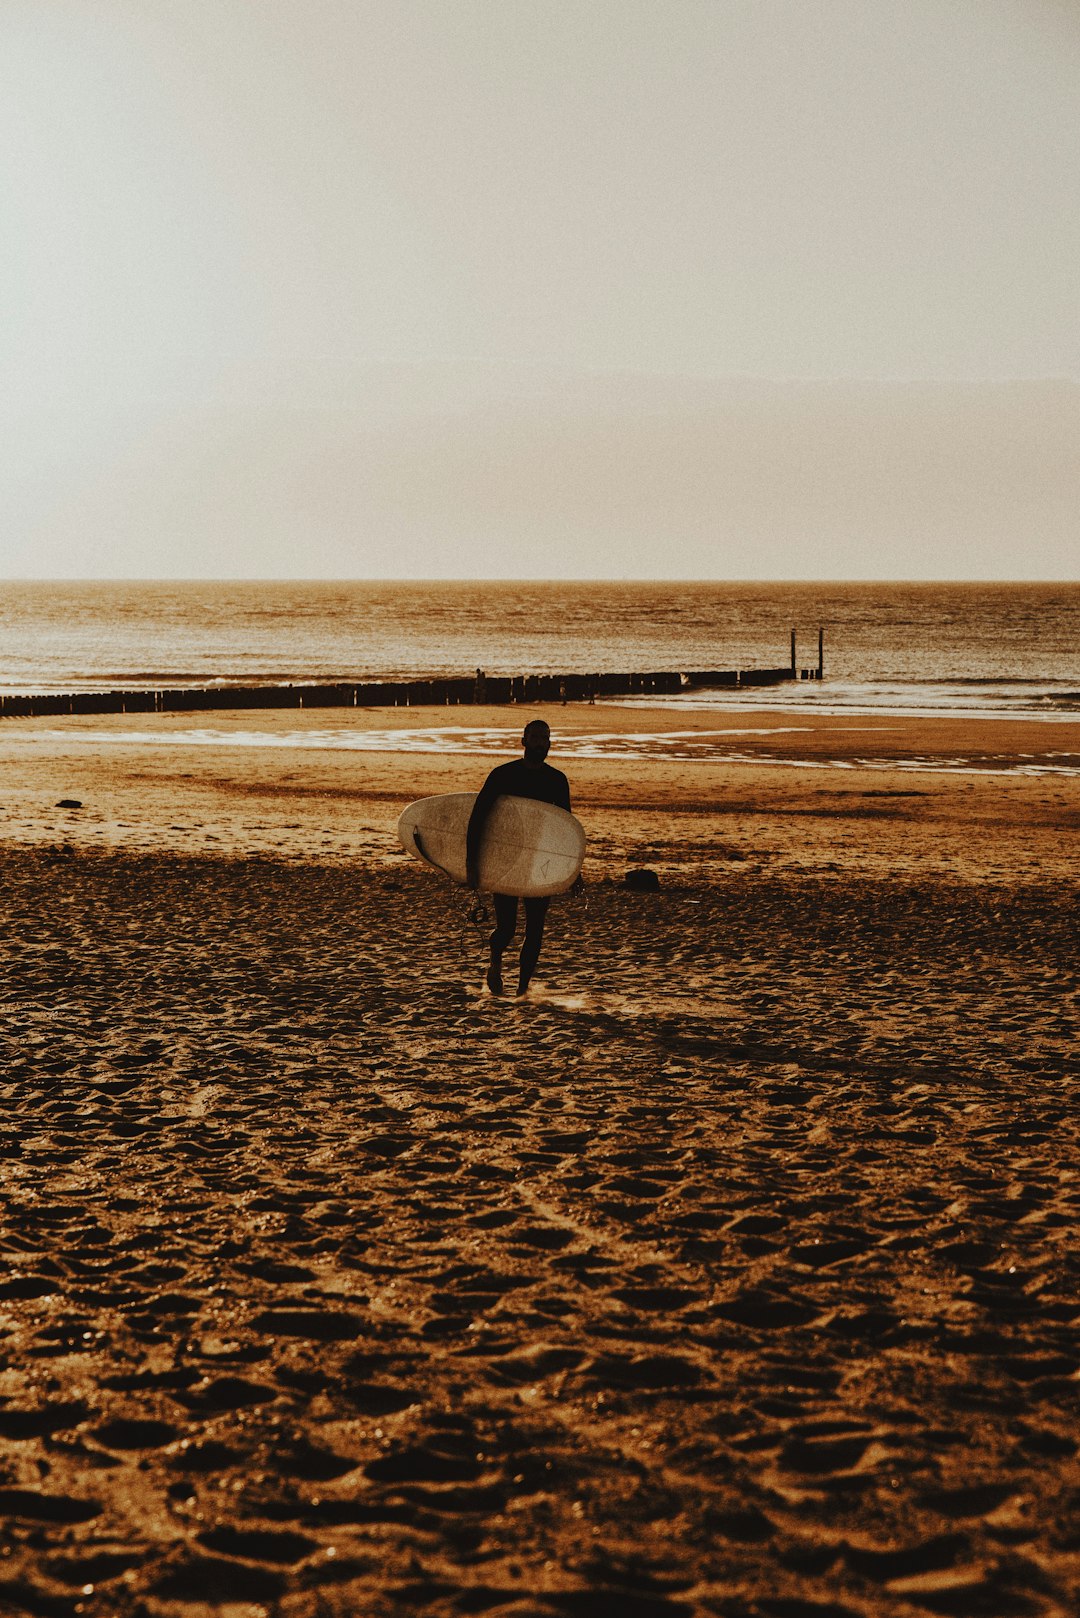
{"x": 793, "y": 654}
{"x": 820, "y": 653}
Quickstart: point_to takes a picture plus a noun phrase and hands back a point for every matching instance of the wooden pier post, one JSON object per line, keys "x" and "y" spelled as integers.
{"x": 820, "y": 653}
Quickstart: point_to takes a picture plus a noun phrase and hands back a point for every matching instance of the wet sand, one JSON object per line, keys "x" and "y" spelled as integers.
{"x": 732, "y": 1272}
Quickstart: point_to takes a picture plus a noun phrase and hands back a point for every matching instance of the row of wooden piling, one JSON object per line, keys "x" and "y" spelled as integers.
{"x": 476, "y": 690}
{"x": 479, "y": 689}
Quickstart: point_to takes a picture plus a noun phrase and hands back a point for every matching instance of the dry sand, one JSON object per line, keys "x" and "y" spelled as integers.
{"x": 733, "y": 1272}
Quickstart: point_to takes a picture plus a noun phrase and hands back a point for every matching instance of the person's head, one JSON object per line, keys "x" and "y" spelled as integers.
{"x": 536, "y": 740}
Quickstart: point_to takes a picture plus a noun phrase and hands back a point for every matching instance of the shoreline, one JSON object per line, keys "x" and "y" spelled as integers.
{"x": 936, "y": 733}
{"x": 701, "y": 814}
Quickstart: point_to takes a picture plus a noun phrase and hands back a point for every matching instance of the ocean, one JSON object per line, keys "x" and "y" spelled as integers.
{"x": 993, "y": 649}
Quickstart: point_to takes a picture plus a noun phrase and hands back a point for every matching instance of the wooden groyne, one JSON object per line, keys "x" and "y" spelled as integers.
{"x": 478, "y": 689}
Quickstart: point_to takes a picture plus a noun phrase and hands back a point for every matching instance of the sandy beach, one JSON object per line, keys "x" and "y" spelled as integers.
{"x": 732, "y": 1272}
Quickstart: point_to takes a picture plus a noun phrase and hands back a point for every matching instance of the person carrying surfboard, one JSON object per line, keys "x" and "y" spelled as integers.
{"x": 527, "y": 777}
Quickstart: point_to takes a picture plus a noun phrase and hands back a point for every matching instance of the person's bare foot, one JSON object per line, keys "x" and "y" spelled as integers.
{"x": 494, "y": 978}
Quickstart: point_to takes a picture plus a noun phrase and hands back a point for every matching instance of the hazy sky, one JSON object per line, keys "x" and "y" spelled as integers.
{"x": 327, "y": 287}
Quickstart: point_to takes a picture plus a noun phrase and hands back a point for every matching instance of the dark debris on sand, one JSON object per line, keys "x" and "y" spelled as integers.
{"x": 734, "y": 1272}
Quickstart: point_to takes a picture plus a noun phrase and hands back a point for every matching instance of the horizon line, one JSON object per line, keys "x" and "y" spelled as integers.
{"x": 511, "y": 579}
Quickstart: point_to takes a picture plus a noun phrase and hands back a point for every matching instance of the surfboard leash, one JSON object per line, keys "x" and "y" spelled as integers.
{"x": 474, "y": 913}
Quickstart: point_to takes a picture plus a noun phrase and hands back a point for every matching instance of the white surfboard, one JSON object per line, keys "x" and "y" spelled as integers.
{"x": 529, "y": 849}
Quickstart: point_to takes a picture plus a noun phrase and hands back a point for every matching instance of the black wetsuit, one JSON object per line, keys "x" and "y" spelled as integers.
{"x": 516, "y": 780}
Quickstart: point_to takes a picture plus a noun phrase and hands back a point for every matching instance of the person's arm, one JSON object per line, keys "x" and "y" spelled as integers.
{"x": 485, "y": 802}
{"x": 578, "y": 884}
